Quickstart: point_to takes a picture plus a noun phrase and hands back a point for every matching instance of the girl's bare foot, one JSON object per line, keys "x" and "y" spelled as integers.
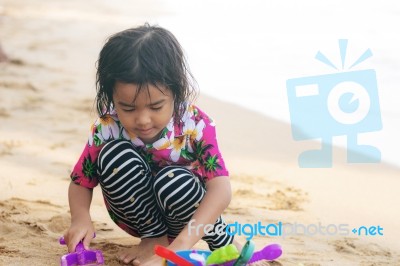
{"x": 143, "y": 252}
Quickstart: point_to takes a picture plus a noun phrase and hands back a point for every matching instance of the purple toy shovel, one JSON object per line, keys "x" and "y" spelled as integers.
{"x": 81, "y": 256}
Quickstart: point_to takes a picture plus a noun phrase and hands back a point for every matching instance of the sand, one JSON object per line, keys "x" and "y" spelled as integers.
{"x": 46, "y": 107}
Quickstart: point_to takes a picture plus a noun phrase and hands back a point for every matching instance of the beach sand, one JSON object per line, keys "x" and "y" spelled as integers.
{"x": 46, "y": 107}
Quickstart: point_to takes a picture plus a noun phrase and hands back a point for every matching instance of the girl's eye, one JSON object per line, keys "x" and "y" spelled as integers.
{"x": 156, "y": 108}
{"x": 128, "y": 110}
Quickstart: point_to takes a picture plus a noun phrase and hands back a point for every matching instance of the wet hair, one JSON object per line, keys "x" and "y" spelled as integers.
{"x": 142, "y": 56}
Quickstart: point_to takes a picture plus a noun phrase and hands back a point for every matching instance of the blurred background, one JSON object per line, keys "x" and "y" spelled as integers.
{"x": 244, "y": 51}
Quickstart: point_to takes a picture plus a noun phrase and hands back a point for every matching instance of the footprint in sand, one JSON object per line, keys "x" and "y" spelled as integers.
{"x": 29, "y": 229}
{"x": 9, "y": 252}
{"x": 33, "y": 215}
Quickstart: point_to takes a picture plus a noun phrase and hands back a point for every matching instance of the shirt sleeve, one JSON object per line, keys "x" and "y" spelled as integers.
{"x": 211, "y": 163}
{"x": 85, "y": 171}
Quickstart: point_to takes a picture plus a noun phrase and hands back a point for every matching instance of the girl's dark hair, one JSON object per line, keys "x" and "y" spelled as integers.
{"x": 142, "y": 56}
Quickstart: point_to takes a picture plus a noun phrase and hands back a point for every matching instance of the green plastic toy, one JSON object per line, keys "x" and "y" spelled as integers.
{"x": 223, "y": 254}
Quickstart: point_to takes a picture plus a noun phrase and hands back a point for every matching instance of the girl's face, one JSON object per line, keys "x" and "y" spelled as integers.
{"x": 148, "y": 115}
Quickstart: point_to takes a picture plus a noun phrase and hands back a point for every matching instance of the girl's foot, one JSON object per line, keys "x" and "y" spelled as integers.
{"x": 144, "y": 251}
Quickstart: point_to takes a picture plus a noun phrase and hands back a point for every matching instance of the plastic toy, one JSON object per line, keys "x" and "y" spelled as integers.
{"x": 270, "y": 252}
{"x": 239, "y": 260}
{"x": 221, "y": 255}
{"x": 167, "y": 254}
{"x": 245, "y": 255}
{"x": 81, "y": 256}
{"x": 225, "y": 256}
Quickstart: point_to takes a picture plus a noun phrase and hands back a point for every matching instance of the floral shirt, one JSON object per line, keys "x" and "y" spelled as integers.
{"x": 191, "y": 143}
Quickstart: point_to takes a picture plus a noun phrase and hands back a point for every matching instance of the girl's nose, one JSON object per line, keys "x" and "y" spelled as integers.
{"x": 143, "y": 119}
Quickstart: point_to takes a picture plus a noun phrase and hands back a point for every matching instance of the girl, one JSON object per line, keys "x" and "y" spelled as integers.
{"x": 154, "y": 154}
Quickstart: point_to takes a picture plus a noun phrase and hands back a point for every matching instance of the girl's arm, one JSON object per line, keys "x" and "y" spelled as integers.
{"x": 81, "y": 223}
{"x": 215, "y": 201}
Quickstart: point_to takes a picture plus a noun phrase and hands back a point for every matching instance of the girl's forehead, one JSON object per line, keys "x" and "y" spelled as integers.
{"x": 133, "y": 93}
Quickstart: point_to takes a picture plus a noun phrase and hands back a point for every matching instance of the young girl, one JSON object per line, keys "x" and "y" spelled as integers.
{"x": 154, "y": 154}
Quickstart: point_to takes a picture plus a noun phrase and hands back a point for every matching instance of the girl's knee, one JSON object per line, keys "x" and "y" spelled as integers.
{"x": 173, "y": 179}
{"x": 119, "y": 160}
{"x": 178, "y": 192}
{"x": 173, "y": 174}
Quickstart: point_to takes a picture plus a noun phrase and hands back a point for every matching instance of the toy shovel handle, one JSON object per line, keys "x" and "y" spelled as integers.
{"x": 245, "y": 255}
{"x": 62, "y": 241}
{"x": 270, "y": 252}
{"x": 165, "y": 253}
{"x": 79, "y": 246}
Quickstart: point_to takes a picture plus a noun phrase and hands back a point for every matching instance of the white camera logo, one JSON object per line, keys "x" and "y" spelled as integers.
{"x": 358, "y": 92}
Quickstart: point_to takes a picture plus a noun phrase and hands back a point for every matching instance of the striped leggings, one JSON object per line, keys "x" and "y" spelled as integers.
{"x": 148, "y": 206}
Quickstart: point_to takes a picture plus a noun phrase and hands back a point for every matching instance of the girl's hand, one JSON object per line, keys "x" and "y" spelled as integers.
{"x": 81, "y": 224}
{"x": 80, "y": 230}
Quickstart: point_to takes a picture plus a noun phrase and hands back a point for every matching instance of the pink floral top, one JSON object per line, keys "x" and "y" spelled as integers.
{"x": 191, "y": 144}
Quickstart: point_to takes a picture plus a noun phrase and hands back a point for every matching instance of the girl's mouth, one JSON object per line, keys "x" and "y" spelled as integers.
{"x": 145, "y": 131}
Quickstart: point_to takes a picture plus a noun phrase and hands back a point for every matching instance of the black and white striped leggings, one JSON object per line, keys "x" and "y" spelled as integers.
{"x": 151, "y": 206}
